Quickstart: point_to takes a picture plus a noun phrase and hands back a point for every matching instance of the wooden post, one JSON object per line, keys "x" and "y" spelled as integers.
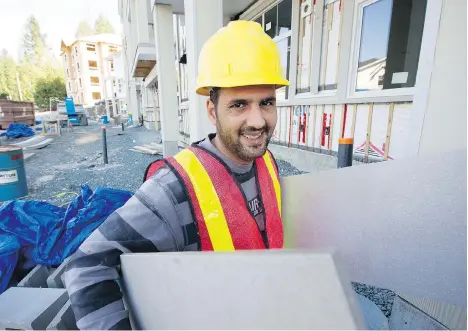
{"x": 314, "y": 126}
{"x": 321, "y": 127}
{"x": 332, "y": 124}
{"x": 307, "y": 125}
{"x": 389, "y": 131}
{"x": 353, "y": 124}
{"x": 369, "y": 131}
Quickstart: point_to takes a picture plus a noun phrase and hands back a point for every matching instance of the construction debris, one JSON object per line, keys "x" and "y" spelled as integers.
{"x": 35, "y": 142}
{"x": 152, "y": 149}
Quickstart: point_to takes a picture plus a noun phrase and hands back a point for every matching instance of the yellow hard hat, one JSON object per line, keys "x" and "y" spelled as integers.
{"x": 239, "y": 54}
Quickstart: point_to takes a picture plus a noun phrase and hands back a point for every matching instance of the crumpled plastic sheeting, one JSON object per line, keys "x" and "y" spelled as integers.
{"x": 9, "y": 249}
{"x": 54, "y": 232}
{"x": 17, "y": 130}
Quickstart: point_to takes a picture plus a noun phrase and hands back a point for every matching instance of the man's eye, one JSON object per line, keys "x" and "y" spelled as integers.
{"x": 266, "y": 103}
{"x": 238, "y": 105}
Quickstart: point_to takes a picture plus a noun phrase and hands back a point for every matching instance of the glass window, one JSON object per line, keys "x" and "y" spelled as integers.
{"x": 92, "y": 64}
{"x": 91, "y": 47}
{"x": 390, "y": 43}
{"x": 94, "y": 80}
{"x": 182, "y": 59}
{"x": 284, "y": 17}
{"x": 284, "y": 46}
{"x": 259, "y": 20}
{"x": 328, "y": 78}
{"x": 96, "y": 96}
{"x": 271, "y": 21}
{"x": 306, "y": 35}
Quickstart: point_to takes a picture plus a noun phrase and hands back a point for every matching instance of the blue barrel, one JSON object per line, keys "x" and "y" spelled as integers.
{"x": 13, "y": 182}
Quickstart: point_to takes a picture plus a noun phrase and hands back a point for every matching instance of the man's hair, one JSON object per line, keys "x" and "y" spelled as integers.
{"x": 214, "y": 95}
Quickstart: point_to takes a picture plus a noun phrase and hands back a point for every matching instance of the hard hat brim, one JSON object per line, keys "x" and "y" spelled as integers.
{"x": 205, "y": 90}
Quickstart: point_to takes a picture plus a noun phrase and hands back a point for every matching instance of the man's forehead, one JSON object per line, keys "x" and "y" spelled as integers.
{"x": 249, "y": 92}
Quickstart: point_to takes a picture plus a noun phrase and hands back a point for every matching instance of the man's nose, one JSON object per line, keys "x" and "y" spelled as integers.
{"x": 255, "y": 118}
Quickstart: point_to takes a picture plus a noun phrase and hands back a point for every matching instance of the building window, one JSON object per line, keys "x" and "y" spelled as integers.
{"x": 112, "y": 49}
{"x": 276, "y": 23}
{"x": 328, "y": 76}
{"x": 91, "y": 47}
{"x": 65, "y": 57}
{"x": 94, "y": 80}
{"x": 96, "y": 96}
{"x": 69, "y": 86}
{"x": 112, "y": 65}
{"x": 76, "y": 50}
{"x": 80, "y": 82}
{"x": 82, "y": 97}
{"x": 306, "y": 35}
{"x": 78, "y": 66}
{"x": 68, "y": 75}
{"x": 179, "y": 28}
{"x": 388, "y": 43}
{"x": 92, "y": 65}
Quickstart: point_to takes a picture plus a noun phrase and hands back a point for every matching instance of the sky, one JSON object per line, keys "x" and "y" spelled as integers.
{"x": 375, "y": 30}
{"x": 57, "y": 18}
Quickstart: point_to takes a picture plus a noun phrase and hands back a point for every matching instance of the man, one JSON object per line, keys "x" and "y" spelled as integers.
{"x": 220, "y": 194}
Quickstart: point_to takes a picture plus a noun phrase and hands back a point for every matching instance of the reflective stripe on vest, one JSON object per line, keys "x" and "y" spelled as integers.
{"x": 219, "y": 204}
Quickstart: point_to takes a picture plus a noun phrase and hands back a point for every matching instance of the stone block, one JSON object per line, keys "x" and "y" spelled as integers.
{"x": 406, "y": 316}
{"x": 25, "y": 308}
{"x": 36, "y": 277}
{"x": 55, "y": 279}
{"x": 64, "y": 320}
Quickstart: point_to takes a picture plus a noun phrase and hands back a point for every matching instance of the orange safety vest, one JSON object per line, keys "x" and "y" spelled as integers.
{"x": 219, "y": 205}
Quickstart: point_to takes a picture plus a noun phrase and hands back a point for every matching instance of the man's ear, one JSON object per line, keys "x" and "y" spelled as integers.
{"x": 210, "y": 107}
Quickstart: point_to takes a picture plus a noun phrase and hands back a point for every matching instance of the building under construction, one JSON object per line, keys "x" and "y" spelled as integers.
{"x": 371, "y": 70}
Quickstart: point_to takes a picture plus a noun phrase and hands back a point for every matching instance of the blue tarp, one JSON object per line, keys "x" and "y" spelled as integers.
{"x": 48, "y": 234}
{"x": 17, "y": 130}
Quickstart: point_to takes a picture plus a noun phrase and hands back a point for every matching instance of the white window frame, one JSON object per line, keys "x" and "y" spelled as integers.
{"x": 355, "y": 48}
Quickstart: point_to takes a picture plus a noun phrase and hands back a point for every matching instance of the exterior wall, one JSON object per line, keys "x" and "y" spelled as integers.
{"x": 445, "y": 119}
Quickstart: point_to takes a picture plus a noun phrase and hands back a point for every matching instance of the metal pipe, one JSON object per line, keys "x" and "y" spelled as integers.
{"x": 104, "y": 144}
{"x": 345, "y": 152}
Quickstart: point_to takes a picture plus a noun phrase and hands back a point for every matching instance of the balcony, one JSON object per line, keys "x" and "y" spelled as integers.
{"x": 144, "y": 60}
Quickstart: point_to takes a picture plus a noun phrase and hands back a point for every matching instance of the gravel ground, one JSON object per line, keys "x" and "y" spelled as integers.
{"x": 56, "y": 172}
{"x": 383, "y": 298}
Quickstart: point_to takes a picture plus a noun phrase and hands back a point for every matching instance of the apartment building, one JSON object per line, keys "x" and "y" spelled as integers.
{"x": 88, "y": 64}
{"x": 384, "y": 72}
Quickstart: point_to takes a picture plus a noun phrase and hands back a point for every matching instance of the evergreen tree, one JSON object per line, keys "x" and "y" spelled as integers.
{"x": 84, "y": 29}
{"x": 102, "y": 25}
{"x": 34, "y": 41}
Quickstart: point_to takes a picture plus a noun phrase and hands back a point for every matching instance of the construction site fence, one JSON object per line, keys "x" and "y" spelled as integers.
{"x": 379, "y": 130}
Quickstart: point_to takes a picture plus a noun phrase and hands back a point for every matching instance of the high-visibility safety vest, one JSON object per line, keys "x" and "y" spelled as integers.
{"x": 220, "y": 207}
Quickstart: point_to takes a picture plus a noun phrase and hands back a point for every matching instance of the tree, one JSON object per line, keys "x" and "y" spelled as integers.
{"x": 8, "y": 84}
{"x": 102, "y": 25}
{"x": 34, "y": 41}
{"x": 84, "y": 29}
{"x": 46, "y": 89}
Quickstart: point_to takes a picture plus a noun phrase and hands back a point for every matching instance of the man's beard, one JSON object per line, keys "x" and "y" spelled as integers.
{"x": 234, "y": 145}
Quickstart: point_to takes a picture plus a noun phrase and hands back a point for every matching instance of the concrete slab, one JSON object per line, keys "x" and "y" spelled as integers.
{"x": 277, "y": 289}
{"x": 30, "y": 308}
{"x": 405, "y": 316}
{"x": 64, "y": 320}
{"x": 55, "y": 279}
{"x": 36, "y": 277}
